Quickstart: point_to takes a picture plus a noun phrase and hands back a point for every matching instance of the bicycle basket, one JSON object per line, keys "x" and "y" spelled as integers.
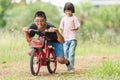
{"x": 38, "y": 43}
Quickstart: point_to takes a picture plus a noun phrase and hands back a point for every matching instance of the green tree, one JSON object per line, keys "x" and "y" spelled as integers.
{"x": 4, "y": 5}
{"x": 22, "y": 15}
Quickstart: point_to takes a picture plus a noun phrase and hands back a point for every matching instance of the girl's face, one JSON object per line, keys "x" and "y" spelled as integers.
{"x": 68, "y": 12}
{"x": 40, "y": 22}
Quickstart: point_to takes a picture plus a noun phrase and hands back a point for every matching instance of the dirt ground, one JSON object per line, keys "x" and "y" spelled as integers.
{"x": 82, "y": 64}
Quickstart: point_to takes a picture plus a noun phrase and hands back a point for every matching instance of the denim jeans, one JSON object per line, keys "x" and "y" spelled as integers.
{"x": 69, "y": 50}
{"x": 59, "y": 49}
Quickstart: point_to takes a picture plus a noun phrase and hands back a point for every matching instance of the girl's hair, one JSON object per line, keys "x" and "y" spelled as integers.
{"x": 69, "y": 6}
{"x": 40, "y": 14}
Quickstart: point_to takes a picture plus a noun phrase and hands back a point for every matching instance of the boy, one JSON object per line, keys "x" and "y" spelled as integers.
{"x": 53, "y": 35}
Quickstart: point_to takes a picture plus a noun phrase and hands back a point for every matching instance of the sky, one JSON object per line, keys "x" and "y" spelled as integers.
{"x": 61, "y": 3}
{"x": 94, "y": 2}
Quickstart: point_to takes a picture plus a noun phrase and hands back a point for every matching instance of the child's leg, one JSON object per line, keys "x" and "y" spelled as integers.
{"x": 30, "y": 50}
{"x": 72, "y": 47}
{"x": 66, "y": 49}
{"x": 59, "y": 52}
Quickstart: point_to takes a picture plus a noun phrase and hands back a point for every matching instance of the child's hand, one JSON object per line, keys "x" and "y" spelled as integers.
{"x": 25, "y": 29}
{"x": 52, "y": 29}
{"x": 73, "y": 29}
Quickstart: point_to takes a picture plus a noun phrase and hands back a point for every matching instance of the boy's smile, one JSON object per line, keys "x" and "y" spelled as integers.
{"x": 40, "y": 22}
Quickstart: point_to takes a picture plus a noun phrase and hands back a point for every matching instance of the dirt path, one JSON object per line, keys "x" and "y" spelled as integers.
{"x": 82, "y": 64}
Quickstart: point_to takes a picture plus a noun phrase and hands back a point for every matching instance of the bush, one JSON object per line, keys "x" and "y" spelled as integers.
{"x": 22, "y": 15}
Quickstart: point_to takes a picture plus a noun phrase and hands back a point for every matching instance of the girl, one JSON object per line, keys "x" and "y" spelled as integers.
{"x": 69, "y": 25}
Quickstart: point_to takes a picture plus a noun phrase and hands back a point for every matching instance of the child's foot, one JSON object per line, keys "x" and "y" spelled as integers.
{"x": 71, "y": 68}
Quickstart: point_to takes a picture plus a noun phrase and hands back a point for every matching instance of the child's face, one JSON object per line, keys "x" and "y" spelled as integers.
{"x": 40, "y": 22}
{"x": 68, "y": 12}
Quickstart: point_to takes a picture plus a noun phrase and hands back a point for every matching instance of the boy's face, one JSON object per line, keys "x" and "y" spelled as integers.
{"x": 68, "y": 12}
{"x": 40, "y": 22}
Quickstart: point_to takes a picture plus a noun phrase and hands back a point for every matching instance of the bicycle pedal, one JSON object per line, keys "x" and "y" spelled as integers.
{"x": 50, "y": 46}
{"x": 51, "y": 58}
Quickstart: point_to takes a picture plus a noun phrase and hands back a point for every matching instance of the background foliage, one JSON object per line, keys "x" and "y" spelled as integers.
{"x": 99, "y": 24}
{"x": 99, "y": 34}
{"x": 4, "y": 4}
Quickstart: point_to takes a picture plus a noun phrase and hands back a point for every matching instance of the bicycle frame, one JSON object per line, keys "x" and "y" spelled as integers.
{"x": 43, "y": 52}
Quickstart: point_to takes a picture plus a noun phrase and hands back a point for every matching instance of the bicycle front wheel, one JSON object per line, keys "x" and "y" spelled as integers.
{"x": 35, "y": 62}
{"x": 52, "y": 62}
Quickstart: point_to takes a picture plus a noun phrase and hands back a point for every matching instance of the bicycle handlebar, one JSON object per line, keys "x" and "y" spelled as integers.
{"x": 37, "y": 31}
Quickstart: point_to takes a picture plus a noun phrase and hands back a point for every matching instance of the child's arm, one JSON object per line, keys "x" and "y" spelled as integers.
{"x": 60, "y": 30}
{"x": 28, "y": 38}
{"x": 59, "y": 36}
{"x": 76, "y": 23}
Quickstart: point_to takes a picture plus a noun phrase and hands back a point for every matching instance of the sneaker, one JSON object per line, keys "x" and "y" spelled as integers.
{"x": 71, "y": 71}
{"x": 71, "y": 68}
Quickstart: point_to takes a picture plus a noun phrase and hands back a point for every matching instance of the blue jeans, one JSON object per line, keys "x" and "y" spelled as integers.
{"x": 69, "y": 50}
{"x": 59, "y": 50}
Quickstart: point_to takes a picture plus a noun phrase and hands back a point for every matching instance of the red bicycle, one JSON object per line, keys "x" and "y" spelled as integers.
{"x": 43, "y": 54}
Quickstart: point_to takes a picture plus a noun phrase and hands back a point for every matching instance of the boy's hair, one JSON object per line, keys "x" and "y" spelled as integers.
{"x": 40, "y": 14}
{"x": 69, "y": 6}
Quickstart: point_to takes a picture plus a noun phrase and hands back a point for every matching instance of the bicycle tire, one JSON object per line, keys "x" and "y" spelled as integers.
{"x": 52, "y": 59}
{"x": 34, "y": 66}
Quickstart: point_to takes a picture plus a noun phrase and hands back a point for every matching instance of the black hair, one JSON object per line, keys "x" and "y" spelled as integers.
{"x": 69, "y": 6}
{"x": 40, "y": 14}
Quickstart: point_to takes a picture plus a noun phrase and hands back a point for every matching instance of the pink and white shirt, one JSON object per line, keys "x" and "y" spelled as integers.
{"x": 66, "y": 24}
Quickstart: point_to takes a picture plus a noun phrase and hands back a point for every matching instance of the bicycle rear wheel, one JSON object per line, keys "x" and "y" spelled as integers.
{"x": 52, "y": 62}
{"x": 35, "y": 62}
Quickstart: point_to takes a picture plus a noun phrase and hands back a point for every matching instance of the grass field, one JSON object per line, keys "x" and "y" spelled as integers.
{"x": 13, "y": 48}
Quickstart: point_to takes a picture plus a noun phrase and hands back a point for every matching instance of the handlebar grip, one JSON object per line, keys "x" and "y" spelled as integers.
{"x": 37, "y": 31}
{"x": 34, "y": 30}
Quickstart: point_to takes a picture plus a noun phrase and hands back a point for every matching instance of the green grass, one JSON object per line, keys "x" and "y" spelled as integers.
{"x": 89, "y": 48}
{"x": 13, "y": 47}
{"x": 109, "y": 70}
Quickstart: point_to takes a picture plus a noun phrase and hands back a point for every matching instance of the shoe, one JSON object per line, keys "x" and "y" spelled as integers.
{"x": 70, "y": 68}
{"x": 71, "y": 71}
